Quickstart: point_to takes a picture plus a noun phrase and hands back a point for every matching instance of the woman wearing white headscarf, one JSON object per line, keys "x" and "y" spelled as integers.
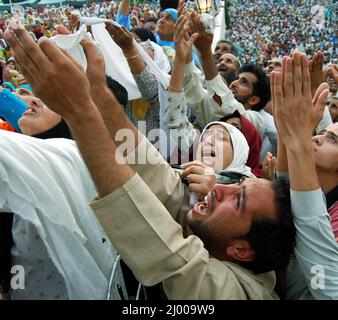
{"x": 223, "y": 147}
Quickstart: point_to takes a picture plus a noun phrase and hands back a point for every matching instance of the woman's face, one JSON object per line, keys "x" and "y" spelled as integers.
{"x": 215, "y": 149}
{"x": 38, "y": 117}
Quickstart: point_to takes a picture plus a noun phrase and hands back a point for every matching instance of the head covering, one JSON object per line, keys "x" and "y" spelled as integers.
{"x": 60, "y": 130}
{"x": 240, "y": 148}
{"x": 10, "y": 85}
{"x": 172, "y": 12}
{"x": 253, "y": 139}
{"x": 25, "y": 86}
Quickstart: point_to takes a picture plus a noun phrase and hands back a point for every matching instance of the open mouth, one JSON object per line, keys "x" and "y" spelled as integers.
{"x": 209, "y": 153}
{"x": 201, "y": 208}
{"x": 29, "y": 111}
{"x": 233, "y": 90}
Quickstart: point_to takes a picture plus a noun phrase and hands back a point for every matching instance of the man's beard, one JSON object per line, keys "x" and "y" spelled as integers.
{"x": 228, "y": 76}
{"x": 242, "y": 99}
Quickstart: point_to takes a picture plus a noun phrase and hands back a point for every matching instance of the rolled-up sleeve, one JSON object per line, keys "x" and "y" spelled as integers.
{"x": 316, "y": 248}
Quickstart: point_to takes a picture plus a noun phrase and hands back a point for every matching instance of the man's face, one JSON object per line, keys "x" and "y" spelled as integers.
{"x": 228, "y": 62}
{"x": 150, "y": 26}
{"x": 273, "y": 65}
{"x": 221, "y": 49}
{"x": 333, "y": 108}
{"x": 326, "y": 149}
{"x": 215, "y": 149}
{"x": 38, "y": 117}
{"x": 332, "y": 85}
{"x": 243, "y": 87}
{"x": 165, "y": 26}
{"x": 229, "y": 210}
{"x": 11, "y": 65}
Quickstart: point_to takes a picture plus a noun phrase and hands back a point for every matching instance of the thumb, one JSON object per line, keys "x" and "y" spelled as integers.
{"x": 61, "y": 29}
{"x": 321, "y": 102}
{"x": 193, "y": 38}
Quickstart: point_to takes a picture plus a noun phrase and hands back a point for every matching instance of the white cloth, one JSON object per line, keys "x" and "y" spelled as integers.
{"x": 46, "y": 183}
{"x": 160, "y": 58}
{"x": 239, "y": 146}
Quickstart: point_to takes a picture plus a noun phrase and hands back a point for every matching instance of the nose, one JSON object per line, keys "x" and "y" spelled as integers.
{"x": 317, "y": 140}
{"x": 234, "y": 84}
{"x": 36, "y": 102}
{"x": 223, "y": 191}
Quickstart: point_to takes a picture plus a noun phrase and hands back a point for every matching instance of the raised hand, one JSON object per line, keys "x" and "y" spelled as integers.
{"x": 121, "y": 36}
{"x": 204, "y": 40}
{"x": 183, "y": 43}
{"x": 269, "y": 167}
{"x": 54, "y": 77}
{"x": 316, "y": 71}
{"x": 332, "y": 71}
{"x": 295, "y": 116}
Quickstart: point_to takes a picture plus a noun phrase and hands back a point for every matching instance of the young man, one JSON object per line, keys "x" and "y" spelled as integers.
{"x": 228, "y": 257}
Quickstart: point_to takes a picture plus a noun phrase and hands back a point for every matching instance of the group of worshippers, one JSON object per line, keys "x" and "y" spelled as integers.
{"x": 188, "y": 209}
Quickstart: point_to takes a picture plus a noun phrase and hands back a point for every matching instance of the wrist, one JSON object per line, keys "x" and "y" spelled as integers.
{"x": 299, "y": 146}
{"x": 128, "y": 52}
{"x": 205, "y": 53}
{"x": 77, "y": 118}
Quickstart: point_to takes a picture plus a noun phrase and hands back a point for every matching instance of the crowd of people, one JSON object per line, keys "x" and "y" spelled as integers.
{"x": 133, "y": 153}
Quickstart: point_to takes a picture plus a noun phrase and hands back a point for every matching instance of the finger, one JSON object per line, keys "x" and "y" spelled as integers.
{"x": 283, "y": 70}
{"x": 90, "y": 52}
{"x": 195, "y": 162}
{"x": 26, "y": 63}
{"x": 193, "y": 170}
{"x": 318, "y": 92}
{"x": 198, "y": 188}
{"x": 31, "y": 49}
{"x": 306, "y": 77}
{"x": 193, "y": 38}
{"x": 297, "y": 73}
{"x": 288, "y": 79}
{"x": 51, "y": 51}
{"x": 61, "y": 29}
{"x": 321, "y": 103}
{"x": 278, "y": 96}
{"x": 23, "y": 70}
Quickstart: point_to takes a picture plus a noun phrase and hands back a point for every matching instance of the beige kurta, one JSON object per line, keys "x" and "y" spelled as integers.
{"x": 138, "y": 218}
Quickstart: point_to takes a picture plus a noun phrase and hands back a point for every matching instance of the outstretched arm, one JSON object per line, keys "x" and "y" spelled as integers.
{"x": 293, "y": 104}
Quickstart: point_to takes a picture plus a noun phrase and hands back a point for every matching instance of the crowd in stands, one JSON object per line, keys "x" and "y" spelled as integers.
{"x": 133, "y": 153}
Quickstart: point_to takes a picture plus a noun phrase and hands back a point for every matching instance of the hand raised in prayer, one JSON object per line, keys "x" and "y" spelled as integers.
{"x": 53, "y": 75}
{"x": 202, "y": 178}
{"x": 269, "y": 167}
{"x": 183, "y": 43}
{"x": 121, "y": 36}
{"x": 204, "y": 40}
{"x": 296, "y": 114}
{"x": 316, "y": 71}
{"x": 95, "y": 68}
{"x": 332, "y": 71}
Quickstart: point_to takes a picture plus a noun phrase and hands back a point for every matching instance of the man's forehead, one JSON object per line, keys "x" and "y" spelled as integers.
{"x": 229, "y": 56}
{"x": 251, "y": 77}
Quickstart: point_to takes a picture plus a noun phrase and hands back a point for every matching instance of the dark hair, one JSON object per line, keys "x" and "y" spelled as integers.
{"x": 273, "y": 240}
{"x": 226, "y": 41}
{"x": 165, "y": 4}
{"x": 261, "y": 87}
{"x": 118, "y": 90}
{"x": 144, "y": 34}
{"x": 151, "y": 19}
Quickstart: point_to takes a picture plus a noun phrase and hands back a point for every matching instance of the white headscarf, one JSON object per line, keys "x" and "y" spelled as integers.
{"x": 240, "y": 148}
